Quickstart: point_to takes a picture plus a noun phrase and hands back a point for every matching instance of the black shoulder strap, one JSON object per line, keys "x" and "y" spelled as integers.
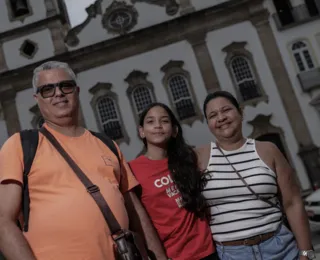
{"x": 29, "y": 143}
{"x": 108, "y": 142}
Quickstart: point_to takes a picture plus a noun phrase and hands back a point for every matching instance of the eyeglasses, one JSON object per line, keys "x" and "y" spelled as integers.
{"x": 49, "y": 90}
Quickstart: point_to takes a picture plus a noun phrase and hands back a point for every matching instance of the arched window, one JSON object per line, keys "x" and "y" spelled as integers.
{"x": 109, "y": 118}
{"x": 301, "y": 54}
{"x": 244, "y": 78}
{"x": 178, "y": 84}
{"x": 140, "y": 92}
{"x": 141, "y": 97}
{"x": 179, "y": 89}
{"x": 107, "y": 112}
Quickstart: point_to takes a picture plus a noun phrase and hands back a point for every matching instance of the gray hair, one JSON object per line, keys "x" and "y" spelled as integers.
{"x": 48, "y": 66}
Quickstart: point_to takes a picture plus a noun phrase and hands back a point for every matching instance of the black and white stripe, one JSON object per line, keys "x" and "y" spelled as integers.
{"x": 235, "y": 213}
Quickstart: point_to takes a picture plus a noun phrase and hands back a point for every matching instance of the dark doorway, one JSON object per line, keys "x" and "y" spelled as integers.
{"x": 276, "y": 139}
{"x": 284, "y": 11}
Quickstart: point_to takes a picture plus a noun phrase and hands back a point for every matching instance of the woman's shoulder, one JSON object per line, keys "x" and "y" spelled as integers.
{"x": 265, "y": 146}
{"x": 267, "y": 152}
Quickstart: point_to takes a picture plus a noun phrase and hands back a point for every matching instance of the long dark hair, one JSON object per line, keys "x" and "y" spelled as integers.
{"x": 183, "y": 165}
{"x": 224, "y": 94}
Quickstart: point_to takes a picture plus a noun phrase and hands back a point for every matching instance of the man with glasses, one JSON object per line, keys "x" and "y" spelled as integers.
{"x": 65, "y": 223}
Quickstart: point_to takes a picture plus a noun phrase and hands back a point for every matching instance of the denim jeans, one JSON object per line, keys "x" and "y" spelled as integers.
{"x": 282, "y": 246}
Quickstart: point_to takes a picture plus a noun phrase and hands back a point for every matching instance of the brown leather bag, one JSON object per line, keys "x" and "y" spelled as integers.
{"x": 128, "y": 245}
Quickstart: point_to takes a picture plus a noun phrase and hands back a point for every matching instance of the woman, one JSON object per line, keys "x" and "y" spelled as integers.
{"x": 244, "y": 181}
{"x": 171, "y": 186}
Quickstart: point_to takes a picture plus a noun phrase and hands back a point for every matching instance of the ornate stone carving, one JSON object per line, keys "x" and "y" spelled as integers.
{"x": 316, "y": 102}
{"x": 261, "y": 126}
{"x": 172, "y": 7}
{"x": 93, "y": 10}
{"x": 119, "y": 18}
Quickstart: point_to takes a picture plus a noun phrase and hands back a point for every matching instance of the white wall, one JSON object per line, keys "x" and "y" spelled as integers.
{"x": 25, "y": 101}
{"x": 203, "y": 4}
{"x": 307, "y": 31}
{"x": 116, "y": 72}
{"x": 12, "y": 54}
{"x": 219, "y": 39}
{"x": 38, "y": 13}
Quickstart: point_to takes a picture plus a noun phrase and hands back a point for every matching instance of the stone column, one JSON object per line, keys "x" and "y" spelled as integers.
{"x": 10, "y": 112}
{"x": 186, "y": 7}
{"x": 308, "y": 151}
{"x": 201, "y": 51}
{"x": 50, "y": 7}
{"x": 3, "y": 64}
{"x": 56, "y": 28}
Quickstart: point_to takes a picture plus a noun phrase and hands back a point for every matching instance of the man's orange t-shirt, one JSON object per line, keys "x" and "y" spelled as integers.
{"x": 65, "y": 222}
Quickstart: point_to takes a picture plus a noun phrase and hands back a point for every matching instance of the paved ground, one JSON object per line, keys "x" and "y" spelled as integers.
{"x": 316, "y": 243}
{"x": 316, "y": 240}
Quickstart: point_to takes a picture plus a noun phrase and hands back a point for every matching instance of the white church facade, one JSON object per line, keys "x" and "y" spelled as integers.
{"x": 127, "y": 54}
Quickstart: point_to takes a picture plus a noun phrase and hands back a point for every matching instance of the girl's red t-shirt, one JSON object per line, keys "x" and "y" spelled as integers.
{"x": 183, "y": 234}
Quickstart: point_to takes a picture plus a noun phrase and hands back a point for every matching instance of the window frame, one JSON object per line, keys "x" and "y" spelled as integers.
{"x": 103, "y": 90}
{"x": 237, "y": 49}
{"x": 21, "y": 18}
{"x": 137, "y": 79}
{"x": 175, "y": 68}
{"x": 302, "y": 56}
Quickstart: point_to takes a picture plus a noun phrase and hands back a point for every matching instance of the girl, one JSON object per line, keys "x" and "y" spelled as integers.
{"x": 171, "y": 186}
{"x": 244, "y": 181}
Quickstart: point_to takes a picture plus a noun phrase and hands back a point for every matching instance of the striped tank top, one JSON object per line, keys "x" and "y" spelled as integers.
{"x": 235, "y": 213}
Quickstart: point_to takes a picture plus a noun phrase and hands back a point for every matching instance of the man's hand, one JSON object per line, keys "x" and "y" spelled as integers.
{"x": 13, "y": 245}
{"x": 141, "y": 223}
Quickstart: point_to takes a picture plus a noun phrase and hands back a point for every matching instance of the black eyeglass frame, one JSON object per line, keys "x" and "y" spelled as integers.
{"x": 60, "y": 85}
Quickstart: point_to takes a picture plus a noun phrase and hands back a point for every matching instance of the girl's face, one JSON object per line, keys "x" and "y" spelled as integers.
{"x": 224, "y": 120}
{"x": 157, "y": 127}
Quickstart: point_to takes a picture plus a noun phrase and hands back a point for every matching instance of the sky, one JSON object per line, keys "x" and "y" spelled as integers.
{"x": 76, "y": 10}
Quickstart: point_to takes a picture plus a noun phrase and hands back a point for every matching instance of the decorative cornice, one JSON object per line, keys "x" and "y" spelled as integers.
{"x": 197, "y": 38}
{"x": 260, "y": 120}
{"x": 172, "y": 64}
{"x": 99, "y": 87}
{"x": 315, "y": 101}
{"x": 234, "y": 46}
{"x": 135, "y": 77}
{"x": 28, "y": 29}
{"x": 135, "y": 43}
{"x": 172, "y": 7}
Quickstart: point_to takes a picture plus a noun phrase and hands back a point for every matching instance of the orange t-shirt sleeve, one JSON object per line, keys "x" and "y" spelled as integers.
{"x": 127, "y": 180}
{"x": 11, "y": 160}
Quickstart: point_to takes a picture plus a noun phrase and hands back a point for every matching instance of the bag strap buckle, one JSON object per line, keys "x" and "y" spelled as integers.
{"x": 93, "y": 189}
